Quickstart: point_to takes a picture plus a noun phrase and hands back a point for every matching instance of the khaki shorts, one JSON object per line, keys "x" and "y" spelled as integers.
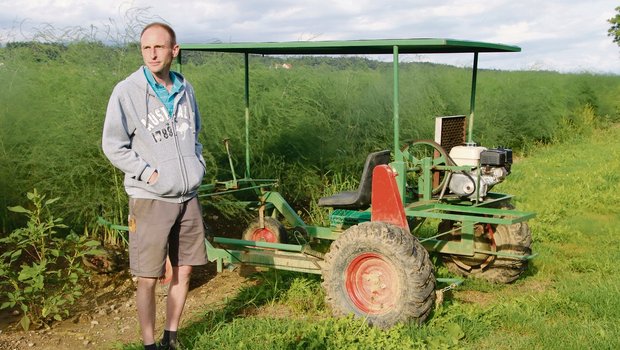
{"x": 158, "y": 229}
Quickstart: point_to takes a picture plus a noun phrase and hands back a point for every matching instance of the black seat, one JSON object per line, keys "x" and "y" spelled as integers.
{"x": 359, "y": 199}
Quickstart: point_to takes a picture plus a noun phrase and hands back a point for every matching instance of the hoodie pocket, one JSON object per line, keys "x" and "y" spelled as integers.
{"x": 195, "y": 172}
{"x": 169, "y": 182}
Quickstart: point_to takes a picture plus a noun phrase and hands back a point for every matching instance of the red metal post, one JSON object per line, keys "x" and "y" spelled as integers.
{"x": 387, "y": 206}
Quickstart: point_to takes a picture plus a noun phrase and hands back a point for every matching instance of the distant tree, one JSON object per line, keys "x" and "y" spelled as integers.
{"x": 614, "y": 31}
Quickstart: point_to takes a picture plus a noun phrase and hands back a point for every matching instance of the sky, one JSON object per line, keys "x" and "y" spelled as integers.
{"x": 568, "y": 36}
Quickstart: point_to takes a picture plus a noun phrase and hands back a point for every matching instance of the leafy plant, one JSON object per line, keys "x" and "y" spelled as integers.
{"x": 305, "y": 295}
{"x": 41, "y": 269}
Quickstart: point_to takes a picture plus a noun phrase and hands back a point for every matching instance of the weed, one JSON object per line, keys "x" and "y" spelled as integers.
{"x": 305, "y": 295}
{"x": 42, "y": 270}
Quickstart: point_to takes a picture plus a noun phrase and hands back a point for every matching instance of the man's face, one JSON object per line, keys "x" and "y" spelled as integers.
{"x": 157, "y": 50}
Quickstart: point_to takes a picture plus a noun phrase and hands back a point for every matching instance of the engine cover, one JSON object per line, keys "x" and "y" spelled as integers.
{"x": 497, "y": 157}
{"x": 466, "y": 155}
{"x": 464, "y": 184}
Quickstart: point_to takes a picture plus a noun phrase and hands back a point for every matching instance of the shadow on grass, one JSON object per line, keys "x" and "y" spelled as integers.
{"x": 269, "y": 287}
{"x": 273, "y": 286}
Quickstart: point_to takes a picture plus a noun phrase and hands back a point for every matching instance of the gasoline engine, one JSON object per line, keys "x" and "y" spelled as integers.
{"x": 488, "y": 168}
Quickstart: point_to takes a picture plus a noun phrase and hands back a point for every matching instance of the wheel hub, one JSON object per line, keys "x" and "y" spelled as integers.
{"x": 264, "y": 235}
{"x": 372, "y": 283}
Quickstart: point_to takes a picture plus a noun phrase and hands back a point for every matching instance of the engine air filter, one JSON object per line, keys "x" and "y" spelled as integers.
{"x": 450, "y": 131}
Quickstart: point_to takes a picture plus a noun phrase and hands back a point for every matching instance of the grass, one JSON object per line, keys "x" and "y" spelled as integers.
{"x": 576, "y": 234}
{"x": 314, "y": 125}
{"x": 566, "y": 300}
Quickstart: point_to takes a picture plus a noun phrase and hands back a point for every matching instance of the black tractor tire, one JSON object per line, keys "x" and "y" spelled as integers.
{"x": 513, "y": 239}
{"x": 381, "y": 273}
{"x": 273, "y": 232}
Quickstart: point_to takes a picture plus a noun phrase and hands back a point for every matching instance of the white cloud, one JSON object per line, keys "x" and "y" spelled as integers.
{"x": 565, "y": 35}
{"x": 460, "y": 9}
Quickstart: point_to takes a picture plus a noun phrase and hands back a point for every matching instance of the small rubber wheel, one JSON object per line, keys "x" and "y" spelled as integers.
{"x": 512, "y": 239}
{"x": 379, "y": 272}
{"x": 273, "y": 232}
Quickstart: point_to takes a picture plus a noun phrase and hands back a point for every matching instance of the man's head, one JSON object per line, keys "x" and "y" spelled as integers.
{"x": 159, "y": 48}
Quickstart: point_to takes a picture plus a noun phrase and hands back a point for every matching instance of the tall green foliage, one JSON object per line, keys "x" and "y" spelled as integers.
{"x": 52, "y": 113}
{"x": 320, "y": 118}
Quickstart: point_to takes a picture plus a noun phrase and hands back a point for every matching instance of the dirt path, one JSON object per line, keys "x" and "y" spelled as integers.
{"x": 107, "y": 317}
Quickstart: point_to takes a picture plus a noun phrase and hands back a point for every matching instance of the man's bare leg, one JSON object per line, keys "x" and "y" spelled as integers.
{"x": 145, "y": 303}
{"x": 177, "y": 293}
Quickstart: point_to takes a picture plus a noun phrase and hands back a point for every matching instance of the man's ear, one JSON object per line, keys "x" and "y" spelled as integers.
{"x": 175, "y": 50}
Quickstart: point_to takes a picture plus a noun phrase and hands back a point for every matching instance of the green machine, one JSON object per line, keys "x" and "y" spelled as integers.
{"x": 371, "y": 260}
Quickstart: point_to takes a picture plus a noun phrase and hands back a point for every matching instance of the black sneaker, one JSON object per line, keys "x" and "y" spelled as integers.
{"x": 172, "y": 345}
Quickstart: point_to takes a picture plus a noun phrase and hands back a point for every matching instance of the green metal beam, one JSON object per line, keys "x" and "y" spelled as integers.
{"x": 464, "y": 247}
{"x": 469, "y": 213}
{"x": 472, "y": 101}
{"x": 281, "y": 260}
{"x": 323, "y": 232}
{"x": 395, "y": 99}
{"x": 259, "y": 244}
{"x": 104, "y": 222}
{"x": 359, "y": 47}
{"x": 284, "y": 208}
{"x": 247, "y": 115}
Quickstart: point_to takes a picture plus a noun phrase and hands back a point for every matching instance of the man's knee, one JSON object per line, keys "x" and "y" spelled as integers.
{"x": 147, "y": 283}
{"x": 182, "y": 273}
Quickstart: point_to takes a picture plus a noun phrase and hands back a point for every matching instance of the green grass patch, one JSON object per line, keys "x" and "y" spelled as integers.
{"x": 575, "y": 234}
{"x": 566, "y": 300}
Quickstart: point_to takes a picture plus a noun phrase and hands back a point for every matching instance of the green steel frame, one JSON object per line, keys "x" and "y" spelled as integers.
{"x": 299, "y": 257}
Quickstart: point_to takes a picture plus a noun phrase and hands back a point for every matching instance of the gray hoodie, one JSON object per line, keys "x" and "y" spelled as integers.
{"x": 139, "y": 138}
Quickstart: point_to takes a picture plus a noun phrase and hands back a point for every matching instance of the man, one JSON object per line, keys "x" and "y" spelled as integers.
{"x": 151, "y": 134}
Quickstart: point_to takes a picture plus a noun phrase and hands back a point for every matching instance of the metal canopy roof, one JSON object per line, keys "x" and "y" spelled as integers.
{"x": 376, "y": 46}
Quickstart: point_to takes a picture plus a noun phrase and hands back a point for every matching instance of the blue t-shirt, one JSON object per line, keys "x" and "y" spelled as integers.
{"x": 167, "y": 98}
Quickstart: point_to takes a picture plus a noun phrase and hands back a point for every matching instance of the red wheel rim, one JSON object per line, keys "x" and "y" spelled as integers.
{"x": 264, "y": 235}
{"x": 372, "y": 284}
{"x": 491, "y": 234}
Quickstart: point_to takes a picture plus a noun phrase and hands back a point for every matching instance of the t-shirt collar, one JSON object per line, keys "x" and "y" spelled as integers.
{"x": 177, "y": 82}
